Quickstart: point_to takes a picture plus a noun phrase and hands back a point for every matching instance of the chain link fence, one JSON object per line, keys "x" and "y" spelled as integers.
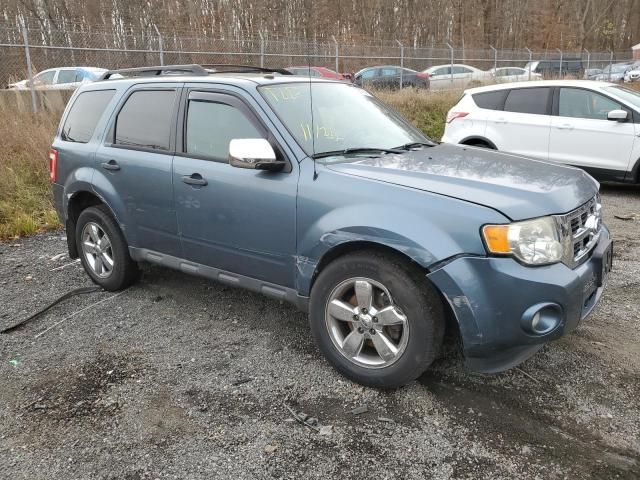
{"x": 36, "y": 49}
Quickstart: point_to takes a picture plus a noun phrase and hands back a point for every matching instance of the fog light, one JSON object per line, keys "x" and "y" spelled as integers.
{"x": 541, "y": 318}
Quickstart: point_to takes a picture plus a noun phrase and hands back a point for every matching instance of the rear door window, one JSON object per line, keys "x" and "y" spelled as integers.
{"x": 146, "y": 119}
{"x": 491, "y": 100}
{"x": 84, "y": 115}
{"x": 212, "y": 125}
{"x": 528, "y": 100}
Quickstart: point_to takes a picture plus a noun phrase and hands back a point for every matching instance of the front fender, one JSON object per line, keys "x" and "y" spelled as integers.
{"x": 334, "y": 209}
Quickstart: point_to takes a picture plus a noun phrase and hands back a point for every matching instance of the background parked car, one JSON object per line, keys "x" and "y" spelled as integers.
{"x": 587, "y": 124}
{"x": 633, "y": 73}
{"x": 67, "y": 78}
{"x": 454, "y": 76}
{"x": 551, "y": 68}
{"x": 316, "y": 72}
{"x": 513, "y": 74}
{"x": 617, "y": 72}
{"x": 389, "y": 76}
{"x": 591, "y": 73}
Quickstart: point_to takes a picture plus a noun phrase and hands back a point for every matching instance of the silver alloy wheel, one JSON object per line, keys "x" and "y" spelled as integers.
{"x": 365, "y": 325}
{"x": 97, "y": 249}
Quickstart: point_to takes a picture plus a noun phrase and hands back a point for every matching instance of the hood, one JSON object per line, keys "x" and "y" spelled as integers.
{"x": 518, "y": 187}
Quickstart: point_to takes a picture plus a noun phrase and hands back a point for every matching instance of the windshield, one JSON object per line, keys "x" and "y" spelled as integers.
{"x": 344, "y": 117}
{"x": 630, "y": 96}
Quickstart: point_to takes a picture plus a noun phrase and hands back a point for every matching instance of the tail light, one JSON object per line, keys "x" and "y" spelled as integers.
{"x": 451, "y": 116}
{"x": 422, "y": 75}
{"x": 53, "y": 164}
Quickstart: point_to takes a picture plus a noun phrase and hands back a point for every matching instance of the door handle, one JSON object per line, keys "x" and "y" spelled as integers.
{"x": 565, "y": 126}
{"x": 501, "y": 120}
{"x": 194, "y": 179}
{"x": 111, "y": 165}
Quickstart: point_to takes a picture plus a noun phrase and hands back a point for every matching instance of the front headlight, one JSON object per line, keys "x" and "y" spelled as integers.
{"x": 534, "y": 242}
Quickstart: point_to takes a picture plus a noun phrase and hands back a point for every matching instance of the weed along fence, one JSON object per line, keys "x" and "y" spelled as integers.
{"x": 46, "y": 100}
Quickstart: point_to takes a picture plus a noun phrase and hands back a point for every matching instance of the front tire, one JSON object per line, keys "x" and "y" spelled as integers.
{"x": 103, "y": 250}
{"x": 376, "y": 318}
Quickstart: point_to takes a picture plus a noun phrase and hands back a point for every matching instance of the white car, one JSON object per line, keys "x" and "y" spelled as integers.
{"x": 442, "y": 77}
{"x": 632, "y": 74}
{"x": 588, "y": 124}
{"x": 513, "y": 74}
{"x": 66, "y": 78}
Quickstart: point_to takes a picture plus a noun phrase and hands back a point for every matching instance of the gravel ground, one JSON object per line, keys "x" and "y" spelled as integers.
{"x": 179, "y": 377}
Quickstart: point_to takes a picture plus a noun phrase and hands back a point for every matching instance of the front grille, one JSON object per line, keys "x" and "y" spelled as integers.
{"x": 580, "y": 230}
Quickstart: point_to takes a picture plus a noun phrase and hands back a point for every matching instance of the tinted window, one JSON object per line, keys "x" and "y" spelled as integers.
{"x": 211, "y": 126}
{"x": 368, "y": 74}
{"x": 442, "y": 71}
{"x": 490, "y": 100}
{"x": 577, "y": 103}
{"x": 145, "y": 120}
{"x": 527, "y": 100}
{"x": 461, "y": 70}
{"x": 67, "y": 76}
{"x": 84, "y": 115}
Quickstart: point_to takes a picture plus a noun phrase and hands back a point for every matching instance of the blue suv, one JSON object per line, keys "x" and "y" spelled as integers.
{"x": 315, "y": 192}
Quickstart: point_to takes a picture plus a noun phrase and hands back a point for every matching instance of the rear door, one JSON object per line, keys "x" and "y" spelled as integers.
{"x": 523, "y": 125}
{"x": 133, "y": 166}
{"x": 237, "y": 220}
{"x": 581, "y": 135}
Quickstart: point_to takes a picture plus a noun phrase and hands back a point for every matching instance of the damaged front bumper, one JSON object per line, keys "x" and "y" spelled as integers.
{"x": 507, "y": 311}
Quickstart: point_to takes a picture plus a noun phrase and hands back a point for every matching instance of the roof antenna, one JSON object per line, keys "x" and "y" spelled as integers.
{"x": 313, "y": 131}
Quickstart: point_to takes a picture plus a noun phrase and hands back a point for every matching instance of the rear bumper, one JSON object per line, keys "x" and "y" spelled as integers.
{"x": 58, "y": 201}
{"x": 493, "y": 300}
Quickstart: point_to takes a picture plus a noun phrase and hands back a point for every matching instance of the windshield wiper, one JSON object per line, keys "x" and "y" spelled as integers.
{"x": 347, "y": 151}
{"x": 412, "y": 145}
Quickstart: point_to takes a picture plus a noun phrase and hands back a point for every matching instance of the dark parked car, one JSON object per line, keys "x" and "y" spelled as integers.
{"x": 322, "y": 72}
{"x": 390, "y": 77}
{"x": 319, "y": 194}
{"x": 553, "y": 68}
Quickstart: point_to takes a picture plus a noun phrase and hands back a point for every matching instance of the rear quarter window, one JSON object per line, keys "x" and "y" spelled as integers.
{"x": 490, "y": 100}
{"x": 84, "y": 115}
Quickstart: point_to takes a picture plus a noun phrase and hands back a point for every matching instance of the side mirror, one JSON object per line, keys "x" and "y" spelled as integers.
{"x": 254, "y": 153}
{"x": 617, "y": 115}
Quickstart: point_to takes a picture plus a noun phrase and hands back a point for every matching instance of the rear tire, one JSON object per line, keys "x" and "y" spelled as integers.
{"x": 395, "y": 337}
{"x": 103, "y": 250}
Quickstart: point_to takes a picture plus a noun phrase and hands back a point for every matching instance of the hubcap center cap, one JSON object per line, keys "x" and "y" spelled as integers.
{"x": 366, "y": 320}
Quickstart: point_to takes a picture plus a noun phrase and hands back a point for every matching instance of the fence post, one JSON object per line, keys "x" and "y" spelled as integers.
{"x": 261, "y": 49}
{"x": 27, "y": 54}
{"x": 335, "y": 43}
{"x": 530, "y": 58}
{"x": 610, "y": 65}
{"x": 401, "y": 61}
{"x": 451, "y": 50}
{"x": 560, "y": 61}
{"x": 160, "y": 46}
{"x": 495, "y": 58}
{"x": 588, "y": 58}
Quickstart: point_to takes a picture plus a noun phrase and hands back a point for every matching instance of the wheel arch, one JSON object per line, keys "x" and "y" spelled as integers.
{"x": 475, "y": 139}
{"x": 76, "y": 204}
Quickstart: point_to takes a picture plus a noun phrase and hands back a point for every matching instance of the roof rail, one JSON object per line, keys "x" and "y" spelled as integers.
{"x": 193, "y": 69}
{"x": 236, "y": 68}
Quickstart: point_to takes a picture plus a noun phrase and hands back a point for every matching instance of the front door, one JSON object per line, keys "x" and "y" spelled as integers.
{"x": 581, "y": 135}
{"x": 237, "y": 220}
